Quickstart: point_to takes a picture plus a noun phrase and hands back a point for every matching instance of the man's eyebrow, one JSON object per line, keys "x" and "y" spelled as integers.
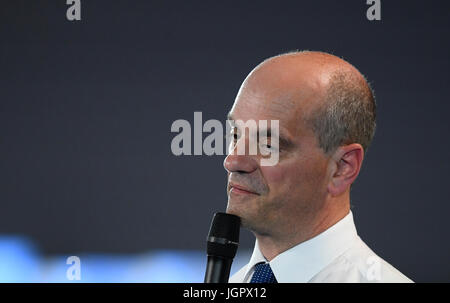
{"x": 285, "y": 142}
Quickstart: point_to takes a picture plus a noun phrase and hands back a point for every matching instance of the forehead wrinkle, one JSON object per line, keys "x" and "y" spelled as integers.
{"x": 282, "y": 109}
{"x": 264, "y": 103}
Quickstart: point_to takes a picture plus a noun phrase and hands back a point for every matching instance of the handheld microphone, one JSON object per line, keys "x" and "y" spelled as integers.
{"x": 222, "y": 244}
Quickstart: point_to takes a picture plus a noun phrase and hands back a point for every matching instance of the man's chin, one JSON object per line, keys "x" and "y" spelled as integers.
{"x": 248, "y": 221}
{"x": 238, "y": 205}
{"x": 235, "y": 207}
{"x": 242, "y": 210}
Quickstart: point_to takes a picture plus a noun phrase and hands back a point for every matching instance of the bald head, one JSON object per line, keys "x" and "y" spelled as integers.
{"x": 325, "y": 92}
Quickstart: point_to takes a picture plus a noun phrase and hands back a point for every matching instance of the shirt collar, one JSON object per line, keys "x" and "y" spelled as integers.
{"x": 303, "y": 261}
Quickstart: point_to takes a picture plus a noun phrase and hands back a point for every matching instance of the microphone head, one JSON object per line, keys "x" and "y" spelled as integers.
{"x": 223, "y": 237}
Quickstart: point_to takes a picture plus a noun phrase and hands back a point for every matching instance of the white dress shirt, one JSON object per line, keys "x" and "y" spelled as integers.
{"x": 336, "y": 255}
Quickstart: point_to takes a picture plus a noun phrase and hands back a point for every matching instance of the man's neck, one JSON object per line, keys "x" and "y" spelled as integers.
{"x": 272, "y": 245}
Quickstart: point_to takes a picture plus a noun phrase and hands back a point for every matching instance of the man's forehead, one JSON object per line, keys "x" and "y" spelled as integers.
{"x": 255, "y": 106}
{"x": 287, "y": 89}
{"x": 289, "y": 109}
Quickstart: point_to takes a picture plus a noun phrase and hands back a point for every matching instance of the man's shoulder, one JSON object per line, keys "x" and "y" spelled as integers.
{"x": 360, "y": 264}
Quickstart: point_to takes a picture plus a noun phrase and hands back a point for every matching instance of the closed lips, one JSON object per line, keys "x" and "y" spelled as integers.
{"x": 241, "y": 188}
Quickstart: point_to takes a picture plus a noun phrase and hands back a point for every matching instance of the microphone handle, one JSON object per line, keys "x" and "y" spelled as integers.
{"x": 217, "y": 269}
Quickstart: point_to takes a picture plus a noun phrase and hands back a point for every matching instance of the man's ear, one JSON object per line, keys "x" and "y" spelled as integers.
{"x": 345, "y": 166}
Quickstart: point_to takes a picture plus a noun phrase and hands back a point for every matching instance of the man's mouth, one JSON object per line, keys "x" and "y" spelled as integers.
{"x": 238, "y": 189}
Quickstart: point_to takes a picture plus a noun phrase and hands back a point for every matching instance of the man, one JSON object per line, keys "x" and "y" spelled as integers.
{"x": 299, "y": 208}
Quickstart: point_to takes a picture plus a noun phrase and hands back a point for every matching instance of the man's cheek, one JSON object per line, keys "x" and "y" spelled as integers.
{"x": 274, "y": 175}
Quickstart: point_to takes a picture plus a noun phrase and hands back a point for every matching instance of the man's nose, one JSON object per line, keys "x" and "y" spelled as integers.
{"x": 235, "y": 162}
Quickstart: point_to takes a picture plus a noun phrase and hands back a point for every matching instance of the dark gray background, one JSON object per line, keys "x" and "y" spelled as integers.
{"x": 86, "y": 109}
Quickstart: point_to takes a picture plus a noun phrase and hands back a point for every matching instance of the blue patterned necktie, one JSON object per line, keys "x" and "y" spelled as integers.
{"x": 263, "y": 274}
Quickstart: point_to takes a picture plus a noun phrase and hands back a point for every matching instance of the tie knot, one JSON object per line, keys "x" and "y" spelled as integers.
{"x": 263, "y": 274}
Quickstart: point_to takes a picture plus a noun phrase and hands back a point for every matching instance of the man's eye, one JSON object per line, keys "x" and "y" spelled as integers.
{"x": 266, "y": 142}
{"x": 235, "y": 136}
